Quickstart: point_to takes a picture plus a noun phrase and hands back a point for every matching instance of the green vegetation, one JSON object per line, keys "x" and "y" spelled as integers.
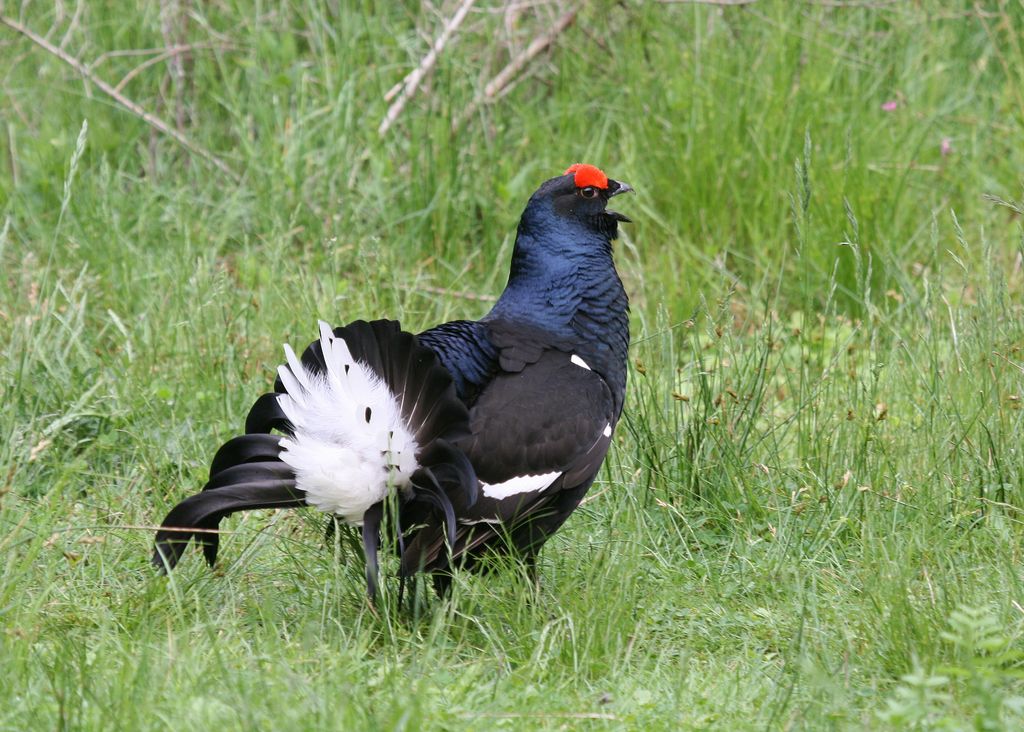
{"x": 812, "y": 516}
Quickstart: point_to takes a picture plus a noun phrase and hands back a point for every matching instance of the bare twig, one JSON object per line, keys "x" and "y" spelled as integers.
{"x": 150, "y": 119}
{"x": 123, "y": 52}
{"x": 185, "y": 48}
{"x": 73, "y": 25}
{"x": 515, "y": 66}
{"x": 393, "y": 91}
{"x": 504, "y": 78}
{"x": 412, "y": 81}
{"x": 173, "y": 27}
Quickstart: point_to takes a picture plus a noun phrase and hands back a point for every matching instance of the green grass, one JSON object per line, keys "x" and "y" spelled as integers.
{"x": 812, "y": 514}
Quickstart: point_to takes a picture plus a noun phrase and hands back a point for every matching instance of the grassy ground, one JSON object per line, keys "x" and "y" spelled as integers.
{"x": 812, "y": 514}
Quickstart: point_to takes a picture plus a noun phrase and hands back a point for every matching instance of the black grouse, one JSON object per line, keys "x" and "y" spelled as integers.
{"x": 473, "y": 437}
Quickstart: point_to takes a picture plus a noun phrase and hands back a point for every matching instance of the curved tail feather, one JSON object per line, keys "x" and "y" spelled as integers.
{"x": 248, "y": 473}
{"x": 198, "y": 516}
{"x": 244, "y": 449}
{"x": 266, "y": 415}
{"x": 366, "y": 412}
{"x": 372, "y": 520}
{"x": 440, "y": 490}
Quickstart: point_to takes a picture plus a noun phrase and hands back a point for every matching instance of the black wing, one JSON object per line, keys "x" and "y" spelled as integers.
{"x": 551, "y": 417}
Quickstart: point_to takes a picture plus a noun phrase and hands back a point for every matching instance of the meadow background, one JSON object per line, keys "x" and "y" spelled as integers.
{"x": 812, "y": 514}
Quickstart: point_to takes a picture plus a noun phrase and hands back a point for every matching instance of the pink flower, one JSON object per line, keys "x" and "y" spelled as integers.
{"x": 946, "y": 147}
{"x": 890, "y": 106}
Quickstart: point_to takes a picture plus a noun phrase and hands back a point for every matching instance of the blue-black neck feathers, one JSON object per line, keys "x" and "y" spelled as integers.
{"x": 563, "y": 281}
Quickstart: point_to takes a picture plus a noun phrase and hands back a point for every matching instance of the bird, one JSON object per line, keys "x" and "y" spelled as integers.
{"x": 471, "y": 439}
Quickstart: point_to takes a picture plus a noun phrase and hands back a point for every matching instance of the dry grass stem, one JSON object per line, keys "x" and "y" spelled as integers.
{"x": 133, "y": 107}
{"x": 412, "y": 81}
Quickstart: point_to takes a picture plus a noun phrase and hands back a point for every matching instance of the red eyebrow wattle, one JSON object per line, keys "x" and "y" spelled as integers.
{"x": 588, "y": 175}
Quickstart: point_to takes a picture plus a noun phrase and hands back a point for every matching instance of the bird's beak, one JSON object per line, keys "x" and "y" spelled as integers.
{"x": 618, "y": 188}
{"x": 623, "y": 188}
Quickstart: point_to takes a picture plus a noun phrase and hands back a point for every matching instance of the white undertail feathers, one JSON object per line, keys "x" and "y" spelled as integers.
{"x": 350, "y": 444}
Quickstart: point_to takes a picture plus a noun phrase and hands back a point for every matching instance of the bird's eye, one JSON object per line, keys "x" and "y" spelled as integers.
{"x": 588, "y": 192}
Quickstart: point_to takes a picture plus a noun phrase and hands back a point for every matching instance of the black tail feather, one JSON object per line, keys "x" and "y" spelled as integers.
{"x": 371, "y": 540}
{"x": 447, "y": 487}
{"x": 431, "y": 491}
{"x": 198, "y": 516}
{"x": 313, "y": 359}
{"x": 245, "y": 449}
{"x": 423, "y": 386}
{"x": 249, "y": 473}
{"x": 266, "y": 415}
{"x": 453, "y": 470}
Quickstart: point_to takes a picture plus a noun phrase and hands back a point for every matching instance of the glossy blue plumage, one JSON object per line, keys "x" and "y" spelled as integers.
{"x": 563, "y": 288}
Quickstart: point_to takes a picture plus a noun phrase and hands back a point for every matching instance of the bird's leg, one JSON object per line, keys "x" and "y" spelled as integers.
{"x": 416, "y": 602}
{"x": 342, "y": 536}
{"x": 442, "y": 583}
{"x": 330, "y": 530}
{"x": 532, "y": 572}
{"x": 530, "y": 564}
